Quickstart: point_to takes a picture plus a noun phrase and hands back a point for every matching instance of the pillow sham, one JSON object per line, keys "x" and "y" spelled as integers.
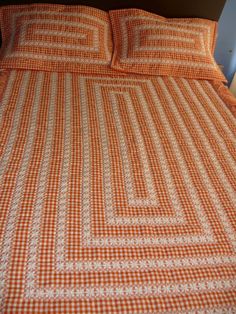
{"x": 147, "y": 43}
{"x": 55, "y": 37}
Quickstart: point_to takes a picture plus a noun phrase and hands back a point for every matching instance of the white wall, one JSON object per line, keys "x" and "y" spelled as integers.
{"x": 225, "y": 52}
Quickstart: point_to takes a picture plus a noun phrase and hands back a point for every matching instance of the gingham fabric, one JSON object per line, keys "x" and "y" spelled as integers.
{"x": 147, "y": 43}
{"x": 56, "y": 38}
{"x": 117, "y": 195}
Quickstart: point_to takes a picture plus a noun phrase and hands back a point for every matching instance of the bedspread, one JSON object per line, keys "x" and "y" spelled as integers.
{"x": 117, "y": 194}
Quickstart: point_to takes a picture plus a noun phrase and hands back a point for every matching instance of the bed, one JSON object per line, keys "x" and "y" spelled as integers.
{"x": 117, "y": 160}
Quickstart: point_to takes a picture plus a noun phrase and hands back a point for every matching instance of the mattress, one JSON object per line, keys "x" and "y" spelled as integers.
{"x": 117, "y": 193}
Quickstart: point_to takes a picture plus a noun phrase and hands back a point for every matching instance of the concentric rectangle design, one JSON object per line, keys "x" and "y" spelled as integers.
{"x": 55, "y": 37}
{"x": 117, "y": 195}
{"x": 150, "y": 44}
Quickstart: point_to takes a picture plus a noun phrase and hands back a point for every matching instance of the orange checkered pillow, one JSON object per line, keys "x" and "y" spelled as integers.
{"x": 150, "y": 44}
{"x": 55, "y": 37}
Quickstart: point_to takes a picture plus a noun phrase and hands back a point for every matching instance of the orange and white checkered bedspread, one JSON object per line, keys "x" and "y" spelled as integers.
{"x": 117, "y": 194}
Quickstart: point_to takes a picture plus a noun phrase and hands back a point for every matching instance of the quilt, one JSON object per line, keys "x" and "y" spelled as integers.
{"x": 117, "y": 192}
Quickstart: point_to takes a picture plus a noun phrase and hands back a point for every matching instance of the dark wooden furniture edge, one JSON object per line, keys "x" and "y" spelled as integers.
{"x": 209, "y": 9}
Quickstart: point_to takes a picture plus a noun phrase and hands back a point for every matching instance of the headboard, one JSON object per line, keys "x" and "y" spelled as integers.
{"x": 209, "y": 9}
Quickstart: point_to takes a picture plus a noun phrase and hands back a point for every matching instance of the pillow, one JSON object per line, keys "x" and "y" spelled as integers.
{"x": 146, "y": 43}
{"x": 55, "y": 37}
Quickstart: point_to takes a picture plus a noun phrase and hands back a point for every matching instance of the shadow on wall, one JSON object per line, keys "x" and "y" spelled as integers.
{"x": 225, "y": 52}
